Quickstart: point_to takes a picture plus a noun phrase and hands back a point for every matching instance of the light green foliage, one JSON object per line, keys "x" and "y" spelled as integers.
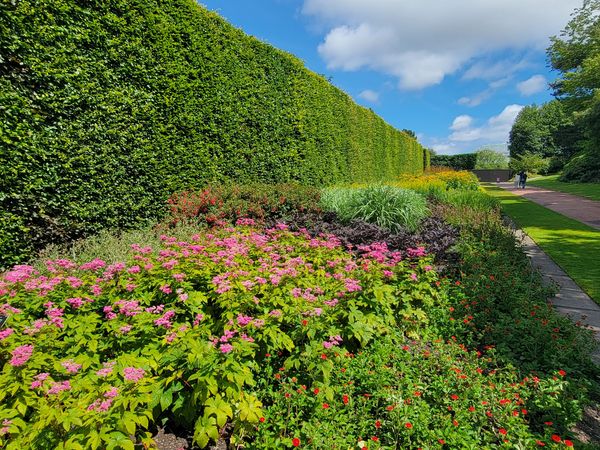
{"x": 487, "y": 158}
{"x": 387, "y": 206}
{"x": 196, "y": 321}
{"x": 111, "y": 106}
{"x": 529, "y": 162}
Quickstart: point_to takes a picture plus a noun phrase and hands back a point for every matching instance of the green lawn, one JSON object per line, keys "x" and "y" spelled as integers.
{"x": 589, "y": 190}
{"x": 572, "y": 245}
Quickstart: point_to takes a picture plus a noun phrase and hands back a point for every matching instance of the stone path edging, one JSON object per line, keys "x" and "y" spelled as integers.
{"x": 570, "y": 301}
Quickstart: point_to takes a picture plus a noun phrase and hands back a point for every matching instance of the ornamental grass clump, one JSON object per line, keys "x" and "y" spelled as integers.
{"x": 389, "y": 207}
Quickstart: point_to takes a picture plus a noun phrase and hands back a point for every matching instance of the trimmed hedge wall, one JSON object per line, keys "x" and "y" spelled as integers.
{"x": 464, "y": 161}
{"x": 109, "y": 106}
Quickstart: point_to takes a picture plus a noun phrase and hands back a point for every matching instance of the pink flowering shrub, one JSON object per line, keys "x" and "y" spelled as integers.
{"x": 98, "y": 355}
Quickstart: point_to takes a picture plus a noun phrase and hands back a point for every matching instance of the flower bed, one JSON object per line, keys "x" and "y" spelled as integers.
{"x": 314, "y": 334}
{"x": 94, "y": 354}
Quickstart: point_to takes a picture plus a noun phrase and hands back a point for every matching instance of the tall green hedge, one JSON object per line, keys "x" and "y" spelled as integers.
{"x": 109, "y": 106}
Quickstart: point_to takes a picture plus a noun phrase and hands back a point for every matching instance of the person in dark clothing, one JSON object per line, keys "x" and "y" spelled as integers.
{"x": 523, "y": 179}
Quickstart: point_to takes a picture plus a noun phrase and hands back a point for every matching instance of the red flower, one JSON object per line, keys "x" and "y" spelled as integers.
{"x": 261, "y": 420}
{"x": 375, "y": 438}
{"x": 408, "y": 425}
{"x": 345, "y": 399}
{"x": 316, "y": 391}
{"x": 454, "y": 397}
{"x": 377, "y": 424}
{"x": 277, "y": 376}
{"x": 568, "y": 443}
{"x": 323, "y": 356}
{"x": 556, "y": 438}
{"x": 441, "y": 441}
{"x": 390, "y": 407}
{"x": 548, "y": 424}
{"x": 502, "y": 431}
{"x": 455, "y": 423}
{"x": 304, "y": 322}
{"x": 296, "y": 442}
{"x": 562, "y": 373}
{"x": 540, "y": 443}
{"x": 325, "y": 405}
{"x": 471, "y": 408}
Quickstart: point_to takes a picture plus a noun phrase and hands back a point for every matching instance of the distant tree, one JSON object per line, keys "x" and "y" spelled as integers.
{"x": 529, "y": 162}
{"x": 486, "y": 158}
{"x": 547, "y": 130}
{"x": 411, "y": 133}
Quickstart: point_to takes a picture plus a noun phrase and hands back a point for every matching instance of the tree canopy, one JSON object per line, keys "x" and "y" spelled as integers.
{"x": 487, "y": 158}
{"x": 576, "y": 55}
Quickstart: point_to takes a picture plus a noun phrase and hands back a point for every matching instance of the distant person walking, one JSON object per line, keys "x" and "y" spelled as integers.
{"x": 522, "y": 179}
{"x": 517, "y": 180}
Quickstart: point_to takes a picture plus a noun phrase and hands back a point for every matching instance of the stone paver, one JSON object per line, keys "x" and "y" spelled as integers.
{"x": 579, "y": 208}
{"x": 570, "y": 301}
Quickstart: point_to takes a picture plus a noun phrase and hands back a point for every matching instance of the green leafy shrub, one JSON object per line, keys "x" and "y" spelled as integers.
{"x": 99, "y": 356}
{"x": 110, "y": 107}
{"x": 386, "y": 206}
{"x": 413, "y": 394}
{"x": 583, "y": 168}
{"x": 262, "y": 202}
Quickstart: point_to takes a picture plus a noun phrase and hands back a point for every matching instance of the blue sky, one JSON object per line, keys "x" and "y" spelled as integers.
{"x": 456, "y": 72}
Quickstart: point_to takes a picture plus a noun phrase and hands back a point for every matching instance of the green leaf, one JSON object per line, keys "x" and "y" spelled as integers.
{"x": 205, "y": 429}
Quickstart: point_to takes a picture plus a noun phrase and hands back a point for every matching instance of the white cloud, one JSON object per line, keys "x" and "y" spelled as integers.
{"x": 369, "y": 96}
{"x": 496, "y": 129}
{"x": 489, "y": 70}
{"x": 445, "y": 149}
{"x": 422, "y": 42}
{"x": 461, "y": 122}
{"x": 480, "y": 97}
{"x": 533, "y": 85}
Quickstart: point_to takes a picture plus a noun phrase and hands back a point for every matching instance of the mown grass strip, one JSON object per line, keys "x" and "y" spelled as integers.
{"x": 572, "y": 245}
{"x": 589, "y": 190}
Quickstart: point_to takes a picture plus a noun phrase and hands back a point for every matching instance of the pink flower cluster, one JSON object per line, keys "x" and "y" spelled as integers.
{"x": 70, "y": 366}
{"x": 5, "y": 333}
{"x": 133, "y": 374}
{"x": 21, "y": 355}
{"x": 38, "y": 380}
{"x": 165, "y": 319}
{"x": 107, "y": 369}
{"x": 333, "y": 340}
{"x": 103, "y": 405}
{"x": 58, "y": 387}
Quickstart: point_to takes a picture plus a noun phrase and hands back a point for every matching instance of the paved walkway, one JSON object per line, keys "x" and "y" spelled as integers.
{"x": 579, "y": 208}
{"x": 570, "y": 301}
